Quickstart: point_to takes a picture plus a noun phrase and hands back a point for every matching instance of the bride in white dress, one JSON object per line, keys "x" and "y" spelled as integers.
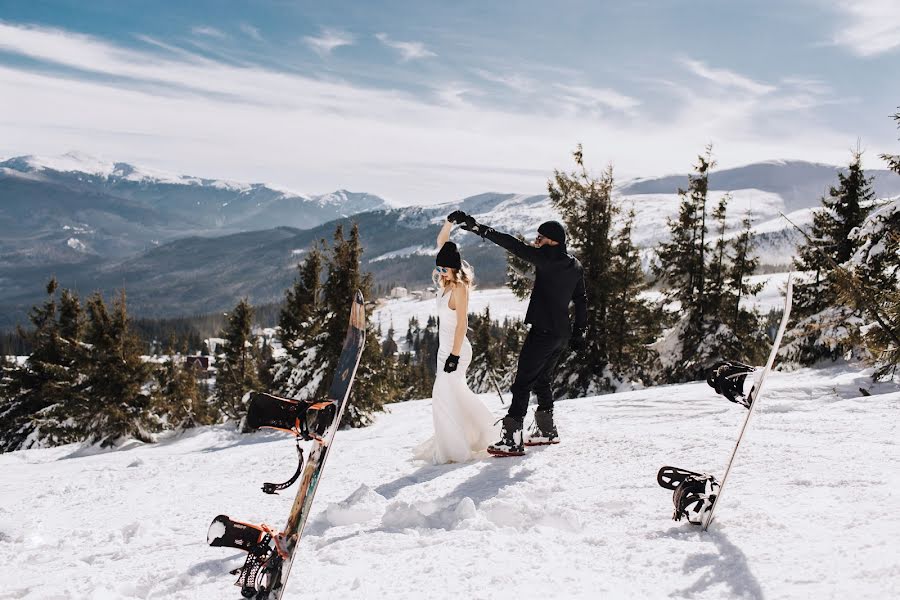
{"x": 463, "y": 425}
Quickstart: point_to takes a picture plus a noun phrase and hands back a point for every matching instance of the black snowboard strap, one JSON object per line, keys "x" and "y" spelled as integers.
{"x": 272, "y": 488}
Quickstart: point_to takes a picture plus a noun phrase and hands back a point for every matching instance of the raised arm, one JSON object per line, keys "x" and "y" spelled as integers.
{"x": 444, "y": 235}
{"x": 514, "y": 245}
{"x": 524, "y": 251}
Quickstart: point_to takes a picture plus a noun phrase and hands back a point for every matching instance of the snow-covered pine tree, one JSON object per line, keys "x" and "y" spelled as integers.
{"x": 35, "y": 398}
{"x": 586, "y": 206}
{"x": 717, "y": 271}
{"x": 874, "y": 281}
{"x": 872, "y": 284}
{"x": 236, "y": 364}
{"x": 298, "y": 328}
{"x": 748, "y": 326}
{"x": 296, "y": 320}
{"x": 825, "y": 328}
{"x": 707, "y": 281}
{"x": 634, "y": 321}
{"x": 116, "y": 403}
{"x": 681, "y": 266}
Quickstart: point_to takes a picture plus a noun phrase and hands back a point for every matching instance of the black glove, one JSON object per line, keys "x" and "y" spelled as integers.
{"x": 451, "y": 363}
{"x": 457, "y": 216}
{"x": 470, "y": 224}
{"x": 578, "y": 342}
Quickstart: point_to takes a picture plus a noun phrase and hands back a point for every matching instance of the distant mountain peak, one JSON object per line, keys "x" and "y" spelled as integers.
{"x": 75, "y": 162}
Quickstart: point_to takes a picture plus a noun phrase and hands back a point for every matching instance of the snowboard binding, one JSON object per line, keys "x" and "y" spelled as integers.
{"x": 694, "y": 494}
{"x": 727, "y": 378}
{"x": 304, "y": 420}
{"x": 258, "y": 541}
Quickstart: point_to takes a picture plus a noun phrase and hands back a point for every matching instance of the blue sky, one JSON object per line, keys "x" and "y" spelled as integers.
{"x": 423, "y": 102}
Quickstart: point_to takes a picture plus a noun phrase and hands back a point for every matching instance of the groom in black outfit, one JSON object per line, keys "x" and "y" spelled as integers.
{"x": 559, "y": 280}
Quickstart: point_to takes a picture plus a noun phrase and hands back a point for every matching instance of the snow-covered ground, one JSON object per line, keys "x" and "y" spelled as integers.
{"x": 810, "y": 510}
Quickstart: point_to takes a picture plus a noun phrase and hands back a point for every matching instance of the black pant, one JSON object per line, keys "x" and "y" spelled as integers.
{"x": 537, "y": 364}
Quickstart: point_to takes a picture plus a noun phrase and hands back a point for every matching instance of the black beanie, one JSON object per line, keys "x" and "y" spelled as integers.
{"x": 554, "y": 231}
{"x": 449, "y": 256}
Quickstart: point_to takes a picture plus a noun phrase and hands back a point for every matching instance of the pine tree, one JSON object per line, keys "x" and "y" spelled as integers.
{"x": 115, "y": 405}
{"x": 873, "y": 283}
{"x": 237, "y": 364}
{"x": 681, "y": 265}
{"x": 586, "y": 207}
{"x": 634, "y": 321}
{"x": 824, "y": 329}
{"x": 299, "y": 325}
{"x": 717, "y": 272}
{"x": 681, "y": 259}
{"x": 35, "y": 398}
{"x": 750, "y": 336}
{"x": 708, "y": 281}
{"x": 297, "y": 318}
{"x": 375, "y": 379}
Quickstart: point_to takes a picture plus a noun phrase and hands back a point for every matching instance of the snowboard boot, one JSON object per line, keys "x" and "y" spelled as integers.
{"x": 543, "y": 432}
{"x": 510, "y": 443}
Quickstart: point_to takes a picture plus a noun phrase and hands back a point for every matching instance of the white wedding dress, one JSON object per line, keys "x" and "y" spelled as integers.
{"x": 463, "y": 425}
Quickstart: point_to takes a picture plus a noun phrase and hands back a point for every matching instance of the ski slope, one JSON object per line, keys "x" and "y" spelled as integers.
{"x": 396, "y": 312}
{"x": 811, "y": 510}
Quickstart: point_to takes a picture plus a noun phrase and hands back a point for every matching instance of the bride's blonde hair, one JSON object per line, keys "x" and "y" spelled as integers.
{"x": 465, "y": 276}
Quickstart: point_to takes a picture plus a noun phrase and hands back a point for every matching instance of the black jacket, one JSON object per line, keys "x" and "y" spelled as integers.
{"x": 559, "y": 280}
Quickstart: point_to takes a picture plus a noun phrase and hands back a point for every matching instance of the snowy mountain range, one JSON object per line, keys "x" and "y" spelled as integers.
{"x": 185, "y": 245}
{"x": 74, "y": 208}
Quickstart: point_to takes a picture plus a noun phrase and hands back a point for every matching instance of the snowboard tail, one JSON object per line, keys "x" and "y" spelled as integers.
{"x": 698, "y": 494}
{"x": 270, "y": 552}
{"x": 694, "y": 493}
{"x": 255, "y": 540}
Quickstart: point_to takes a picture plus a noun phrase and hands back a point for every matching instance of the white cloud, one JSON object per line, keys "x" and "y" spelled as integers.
{"x": 726, "y": 78}
{"x": 184, "y": 113}
{"x": 208, "y": 31}
{"x": 251, "y": 31}
{"x": 328, "y": 40}
{"x": 408, "y": 50}
{"x": 592, "y": 97}
{"x": 515, "y": 81}
{"x": 868, "y": 27}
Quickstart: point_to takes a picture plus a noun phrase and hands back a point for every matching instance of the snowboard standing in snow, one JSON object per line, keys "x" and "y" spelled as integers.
{"x": 270, "y": 552}
{"x": 697, "y": 494}
{"x": 558, "y": 281}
